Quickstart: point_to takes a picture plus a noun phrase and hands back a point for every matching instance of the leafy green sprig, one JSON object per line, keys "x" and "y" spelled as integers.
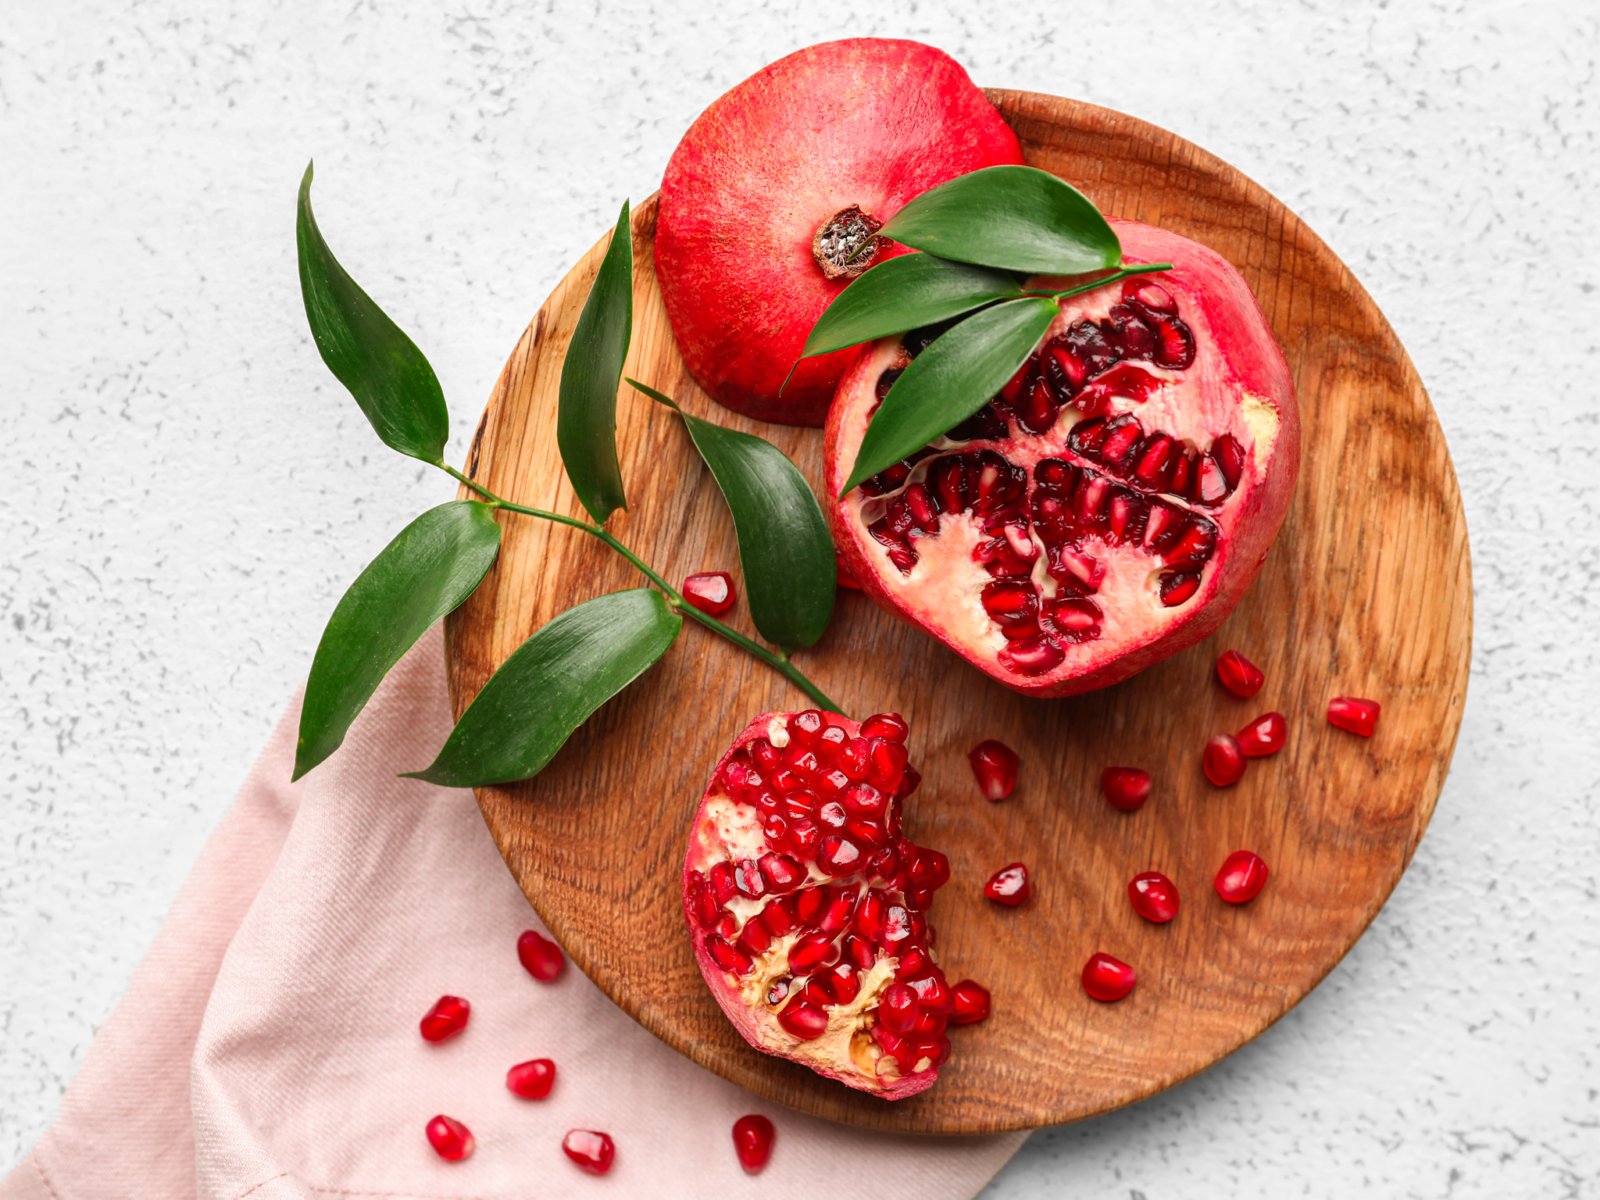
{"x": 580, "y": 659}
{"x": 979, "y": 237}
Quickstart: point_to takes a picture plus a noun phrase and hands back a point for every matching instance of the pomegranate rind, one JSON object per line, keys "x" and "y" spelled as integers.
{"x": 711, "y": 834}
{"x": 870, "y": 122}
{"x": 1239, "y": 383}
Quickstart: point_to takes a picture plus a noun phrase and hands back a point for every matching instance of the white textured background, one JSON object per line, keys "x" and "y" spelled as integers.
{"x": 185, "y": 490}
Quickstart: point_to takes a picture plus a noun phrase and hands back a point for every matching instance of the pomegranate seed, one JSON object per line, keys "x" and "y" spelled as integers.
{"x": 839, "y": 855}
{"x": 932, "y": 993}
{"x": 1239, "y": 675}
{"x": 971, "y": 1000}
{"x": 541, "y": 957}
{"x": 726, "y": 955}
{"x": 1154, "y": 896}
{"x": 808, "y": 904}
{"x": 711, "y": 592}
{"x": 936, "y": 1052}
{"x": 891, "y": 727}
{"x": 837, "y": 912}
{"x": 752, "y": 1142}
{"x": 895, "y": 1046}
{"x": 886, "y": 764}
{"x": 842, "y": 982}
{"x": 865, "y": 801}
{"x": 450, "y": 1139}
{"x": 896, "y": 927}
{"x": 1223, "y": 761}
{"x": 533, "y": 1079}
{"x": 781, "y": 873}
{"x": 723, "y": 888}
{"x": 1263, "y": 736}
{"x": 446, "y": 1018}
{"x": 1352, "y": 715}
{"x": 805, "y": 1021}
{"x": 899, "y": 1008}
{"x": 914, "y": 963}
{"x": 747, "y": 878}
{"x": 869, "y": 914}
{"x": 778, "y": 917}
{"x": 859, "y": 951}
{"x": 1036, "y": 655}
{"x": 852, "y": 757}
{"x": 805, "y": 726}
{"x": 1242, "y": 877}
{"x": 765, "y": 755}
{"x": 755, "y": 938}
{"x": 593, "y": 1152}
{"x": 1126, "y": 788}
{"x": 1009, "y": 885}
{"x": 994, "y": 765}
{"x": 1107, "y": 979}
{"x": 809, "y": 951}
{"x": 929, "y": 1026}
{"x": 910, "y": 780}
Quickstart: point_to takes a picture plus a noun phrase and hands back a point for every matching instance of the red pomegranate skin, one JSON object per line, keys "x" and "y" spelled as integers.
{"x": 870, "y": 122}
{"x": 1238, "y": 383}
{"x": 719, "y": 822}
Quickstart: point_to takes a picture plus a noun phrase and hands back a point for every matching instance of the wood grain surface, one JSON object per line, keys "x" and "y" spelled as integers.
{"x": 1367, "y": 593}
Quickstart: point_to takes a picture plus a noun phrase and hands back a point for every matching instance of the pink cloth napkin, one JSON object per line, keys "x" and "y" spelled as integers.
{"x": 268, "y": 1044}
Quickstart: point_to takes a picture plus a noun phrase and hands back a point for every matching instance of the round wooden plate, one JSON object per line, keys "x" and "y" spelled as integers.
{"x": 1366, "y": 593}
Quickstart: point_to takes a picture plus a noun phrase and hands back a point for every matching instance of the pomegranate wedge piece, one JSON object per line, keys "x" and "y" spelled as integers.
{"x": 1109, "y": 506}
{"x": 806, "y": 903}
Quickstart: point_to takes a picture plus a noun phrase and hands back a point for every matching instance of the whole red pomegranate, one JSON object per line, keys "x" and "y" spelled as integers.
{"x": 806, "y": 902}
{"x": 781, "y": 181}
{"x": 1110, "y": 506}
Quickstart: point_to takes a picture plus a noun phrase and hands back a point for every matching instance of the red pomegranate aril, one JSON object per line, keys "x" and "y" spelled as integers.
{"x": 754, "y": 938}
{"x": 539, "y": 956}
{"x": 1154, "y": 896}
{"x": 445, "y": 1019}
{"x": 593, "y": 1152}
{"x": 935, "y": 1052}
{"x": 1263, "y": 736}
{"x": 711, "y": 592}
{"x": 994, "y": 765}
{"x": 929, "y": 1026}
{"x": 1107, "y": 979}
{"x": 838, "y": 854}
{"x": 1223, "y": 762}
{"x": 778, "y": 916}
{"x": 864, "y": 801}
{"x": 747, "y": 878}
{"x": 723, "y": 885}
{"x": 891, "y": 727}
{"x": 886, "y": 764}
{"x": 705, "y": 910}
{"x": 1032, "y": 656}
{"x": 450, "y": 1139}
{"x": 1353, "y": 715}
{"x": 831, "y": 815}
{"x": 899, "y": 1008}
{"x": 1126, "y": 788}
{"x": 896, "y": 927}
{"x": 1009, "y": 885}
{"x": 804, "y": 1020}
{"x": 897, "y": 1047}
{"x": 970, "y": 1003}
{"x": 804, "y": 836}
{"x": 910, "y": 781}
{"x": 869, "y": 915}
{"x": 752, "y": 1142}
{"x": 836, "y": 914}
{"x": 933, "y": 994}
{"x": 809, "y": 951}
{"x": 727, "y": 925}
{"x": 808, "y": 904}
{"x": 1239, "y": 675}
{"x": 775, "y": 829}
{"x": 726, "y": 955}
{"x": 532, "y": 1080}
{"x": 781, "y": 873}
{"x": 859, "y": 951}
{"x": 913, "y": 963}
{"x": 1242, "y": 877}
{"x": 852, "y": 757}
{"x": 843, "y": 983}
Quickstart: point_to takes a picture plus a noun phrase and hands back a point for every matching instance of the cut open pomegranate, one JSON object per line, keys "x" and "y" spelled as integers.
{"x": 770, "y": 204}
{"x": 1109, "y": 506}
{"x": 807, "y": 904}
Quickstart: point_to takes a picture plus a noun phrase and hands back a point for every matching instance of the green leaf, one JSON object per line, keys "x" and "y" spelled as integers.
{"x": 586, "y": 425}
{"x": 904, "y": 293}
{"x": 423, "y": 574}
{"x": 1016, "y": 218}
{"x": 386, "y": 373}
{"x": 550, "y": 685}
{"x": 790, "y": 576}
{"x": 949, "y": 381}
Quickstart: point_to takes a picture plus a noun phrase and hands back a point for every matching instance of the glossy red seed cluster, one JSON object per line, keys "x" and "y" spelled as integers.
{"x": 712, "y": 592}
{"x": 445, "y": 1019}
{"x": 593, "y": 1152}
{"x": 1126, "y": 788}
{"x": 829, "y": 805}
{"x": 994, "y": 766}
{"x": 1118, "y": 482}
{"x": 1239, "y": 675}
{"x": 1353, "y": 716}
{"x": 752, "y": 1142}
{"x": 450, "y": 1139}
{"x": 1009, "y": 885}
{"x": 1154, "y": 896}
{"x": 539, "y": 956}
{"x": 1242, "y": 877}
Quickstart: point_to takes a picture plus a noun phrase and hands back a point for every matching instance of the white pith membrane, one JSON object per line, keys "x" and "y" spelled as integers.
{"x": 1120, "y": 574}
{"x": 729, "y": 830}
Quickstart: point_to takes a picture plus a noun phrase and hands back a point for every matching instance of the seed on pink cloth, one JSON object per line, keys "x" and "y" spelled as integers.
{"x": 446, "y": 1018}
{"x": 752, "y": 1142}
{"x": 540, "y": 956}
{"x": 532, "y": 1080}
{"x": 450, "y": 1139}
{"x": 593, "y": 1152}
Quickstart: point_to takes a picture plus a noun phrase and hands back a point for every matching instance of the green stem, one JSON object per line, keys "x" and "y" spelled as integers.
{"x": 1116, "y": 276}
{"x": 777, "y": 661}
